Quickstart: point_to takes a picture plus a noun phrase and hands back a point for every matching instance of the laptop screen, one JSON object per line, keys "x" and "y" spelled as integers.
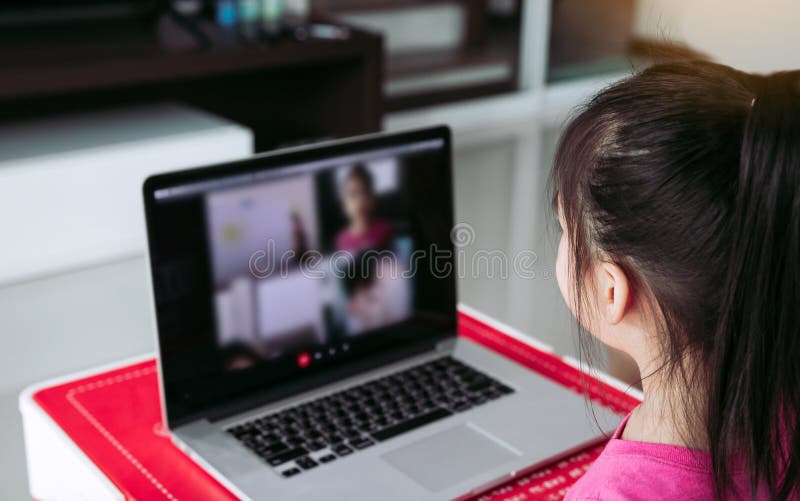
{"x": 284, "y": 271}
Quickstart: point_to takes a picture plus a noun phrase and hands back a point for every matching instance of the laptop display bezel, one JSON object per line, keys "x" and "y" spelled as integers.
{"x": 281, "y": 159}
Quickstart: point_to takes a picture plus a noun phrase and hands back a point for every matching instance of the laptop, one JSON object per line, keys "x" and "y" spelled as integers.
{"x": 305, "y": 305}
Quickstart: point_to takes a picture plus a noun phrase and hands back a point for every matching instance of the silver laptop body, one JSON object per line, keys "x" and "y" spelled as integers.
{"x": 246, "y": 361}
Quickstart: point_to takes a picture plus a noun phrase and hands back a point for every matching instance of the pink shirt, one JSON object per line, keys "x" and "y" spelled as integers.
{"x": 642, "y": 470}
{"x": 377, "y": 236}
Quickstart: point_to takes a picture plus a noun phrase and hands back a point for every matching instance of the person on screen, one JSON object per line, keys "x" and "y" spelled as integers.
{"x": 377, "y": 294}
{"x": 364, "y": 230}
{"x": 299, "y": 238}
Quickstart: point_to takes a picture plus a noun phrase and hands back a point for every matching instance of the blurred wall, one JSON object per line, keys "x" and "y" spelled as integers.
{"x": 759, "y": 36}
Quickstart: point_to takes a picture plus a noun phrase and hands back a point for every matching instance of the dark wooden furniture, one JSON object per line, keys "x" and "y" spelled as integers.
{"x": 489, "y": 41}
{"x": 287, "y": 91}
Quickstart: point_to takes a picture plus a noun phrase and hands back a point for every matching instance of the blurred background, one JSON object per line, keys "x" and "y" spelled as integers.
{"x": 97, "y": 94}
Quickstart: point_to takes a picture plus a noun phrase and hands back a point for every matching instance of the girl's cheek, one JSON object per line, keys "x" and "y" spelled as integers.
{"x": 562, "y": 262}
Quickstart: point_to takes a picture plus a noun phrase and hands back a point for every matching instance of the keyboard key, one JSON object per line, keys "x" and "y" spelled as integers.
{"x": 477, "y": 400}
{"x": 283, "y": 457}
{"x": 315, "y": 445}
{"x": 295, "y": 440}
{"x": 290, "y": 472}
{"x": 505, "y": 390}
{"x": 351, "y": 433}
{"x": 271, "y": 437}
{"x": 272, "y": 449}
{"x": 461, "y": 406}
{"x": 327, "y": 458}
{"x": 342, "y": 450}
{"x": 240, "y": 432}
{"x": 306, "y": 463}
{"x": 492, "y": 394}
{"x": 410, "y": 424}
{"x": 479, "y": 386}
{"x": 335, "y": 438}
{"x": 361, "y": 443}
{"x": 377, "y": 410}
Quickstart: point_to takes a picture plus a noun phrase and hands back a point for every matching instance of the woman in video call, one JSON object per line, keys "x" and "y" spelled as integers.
{"x": 364, "y": 230}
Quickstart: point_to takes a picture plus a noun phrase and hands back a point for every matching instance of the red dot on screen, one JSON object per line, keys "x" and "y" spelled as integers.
{"x": 303, "y": 359}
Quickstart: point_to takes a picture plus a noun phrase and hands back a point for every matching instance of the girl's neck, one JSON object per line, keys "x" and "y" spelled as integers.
{"x": 359, "y": 226}
{"x": 665, "y": 415}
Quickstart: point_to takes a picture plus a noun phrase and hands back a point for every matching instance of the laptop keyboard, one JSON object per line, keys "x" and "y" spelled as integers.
{"x": 321, "y": 431}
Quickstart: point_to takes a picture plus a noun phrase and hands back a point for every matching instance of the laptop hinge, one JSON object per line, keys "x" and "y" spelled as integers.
{"x": 446, "y": 345}
{"x": 260, "y": 399}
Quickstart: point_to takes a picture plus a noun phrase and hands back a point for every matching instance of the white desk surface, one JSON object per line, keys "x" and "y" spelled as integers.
{"x": 61, "y": 325}
{"x": 86, "y": 318}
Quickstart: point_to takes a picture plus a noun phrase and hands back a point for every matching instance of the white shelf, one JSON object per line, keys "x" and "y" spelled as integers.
{"x": 70, "y": 188}
{"x": 537, "y": 100}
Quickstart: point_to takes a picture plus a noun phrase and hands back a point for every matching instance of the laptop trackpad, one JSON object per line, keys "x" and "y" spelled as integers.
{"x": 450, "y": 457}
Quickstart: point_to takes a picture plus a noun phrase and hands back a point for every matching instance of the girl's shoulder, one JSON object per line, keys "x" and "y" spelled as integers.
{"x": 632, "y": 470}
{"x": 639, "y": 470}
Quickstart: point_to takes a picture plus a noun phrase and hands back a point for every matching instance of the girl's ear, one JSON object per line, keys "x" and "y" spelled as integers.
{"x": 614, "y": 292}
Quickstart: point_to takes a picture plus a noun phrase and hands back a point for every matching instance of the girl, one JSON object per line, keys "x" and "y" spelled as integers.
{"x": 678, "y": 191}
{"x": 364, "y": 231}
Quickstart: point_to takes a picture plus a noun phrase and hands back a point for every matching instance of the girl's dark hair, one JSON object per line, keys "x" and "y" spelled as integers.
{"x": 362, "y": 174}
{"x": 687, "y": 175}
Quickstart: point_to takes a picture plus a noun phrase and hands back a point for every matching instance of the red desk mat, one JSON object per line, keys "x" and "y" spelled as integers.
{"x": 115, "y": 419}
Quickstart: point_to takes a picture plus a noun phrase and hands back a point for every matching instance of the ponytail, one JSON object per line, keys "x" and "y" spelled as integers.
{"x": 678, "y": 175}
{"x": 753, "y": 411}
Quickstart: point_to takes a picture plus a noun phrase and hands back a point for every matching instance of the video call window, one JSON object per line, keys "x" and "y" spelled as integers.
{"x": 309, "y": 262}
